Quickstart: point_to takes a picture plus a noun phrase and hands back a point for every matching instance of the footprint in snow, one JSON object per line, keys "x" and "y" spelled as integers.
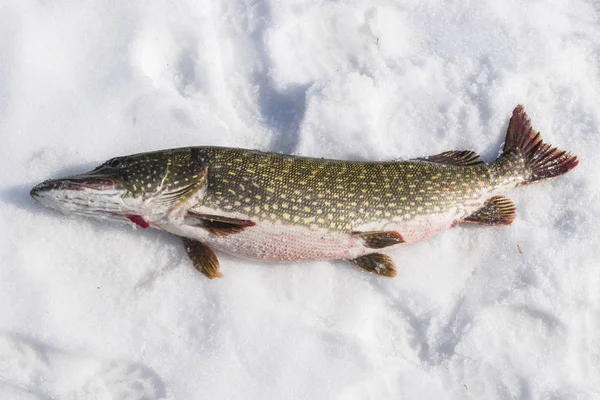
{"x": 34, "y": 370}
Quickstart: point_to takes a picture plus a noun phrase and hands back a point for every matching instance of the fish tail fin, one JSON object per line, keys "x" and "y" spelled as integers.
{"x": 526, "y": 156}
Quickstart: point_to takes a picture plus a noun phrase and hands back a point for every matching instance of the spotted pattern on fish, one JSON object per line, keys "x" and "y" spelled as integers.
{"x": 172, "y": 171}
{"x": 335, "y": 194}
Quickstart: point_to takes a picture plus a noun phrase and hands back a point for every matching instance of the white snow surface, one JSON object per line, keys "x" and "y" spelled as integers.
{"x": 93, "y": 310}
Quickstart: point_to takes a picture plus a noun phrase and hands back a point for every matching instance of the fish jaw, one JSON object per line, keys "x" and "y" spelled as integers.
{"x": 87, "y": 194}
{"x": 102, "y": 201}
{"x": 100, "y": 198}
{"x": 142, "y": 188}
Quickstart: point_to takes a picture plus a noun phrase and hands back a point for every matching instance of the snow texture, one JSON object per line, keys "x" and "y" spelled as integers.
{"x": 93, "y": 310}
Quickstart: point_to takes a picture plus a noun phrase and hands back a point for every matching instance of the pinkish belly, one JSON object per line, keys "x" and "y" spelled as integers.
{"x": 276, "y": 242}
{"x": 288, "y": 243}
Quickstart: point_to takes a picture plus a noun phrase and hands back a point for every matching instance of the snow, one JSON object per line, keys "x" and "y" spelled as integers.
{"x": 96, "y": 310}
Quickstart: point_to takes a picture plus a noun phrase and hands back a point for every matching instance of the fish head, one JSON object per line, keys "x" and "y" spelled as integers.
{"x": 141, "y": 188}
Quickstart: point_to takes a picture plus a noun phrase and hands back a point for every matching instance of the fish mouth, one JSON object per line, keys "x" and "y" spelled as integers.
{"x": 74, "y": 183}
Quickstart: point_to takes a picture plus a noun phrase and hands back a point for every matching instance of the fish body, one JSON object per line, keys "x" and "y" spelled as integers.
{"x": 277, "y": 207}
{"x": 307, "y": 208}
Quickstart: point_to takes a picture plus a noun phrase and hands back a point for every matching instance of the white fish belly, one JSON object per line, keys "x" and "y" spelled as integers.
{"x": 276, "y": 242}
{"x": 417, "y": 229}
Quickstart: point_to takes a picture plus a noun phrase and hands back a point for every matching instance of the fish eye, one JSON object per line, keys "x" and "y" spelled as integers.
{"x": 115, "y": 162}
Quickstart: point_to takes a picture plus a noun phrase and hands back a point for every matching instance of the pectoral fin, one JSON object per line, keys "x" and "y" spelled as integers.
{"x": 379, "y": 239}
{"x": 376, "y": 263}
{"x": 217, "y": 225}
{"x": 203, "y": 258}
{"x": 496, "y": 211}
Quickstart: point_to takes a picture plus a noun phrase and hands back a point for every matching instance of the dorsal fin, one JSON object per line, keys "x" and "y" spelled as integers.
{"x": 457, "y": 158}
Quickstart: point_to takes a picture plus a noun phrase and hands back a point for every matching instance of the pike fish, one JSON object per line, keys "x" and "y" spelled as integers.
{"x": 278, "y": 207}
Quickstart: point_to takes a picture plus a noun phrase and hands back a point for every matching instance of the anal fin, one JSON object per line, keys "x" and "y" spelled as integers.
{"x": 496, "y": 211}
{"x": 377, "y": 263}
{"x": 379, "y": 239}
{"x": 204, "y": 259}
{"x": 217, "y": 225}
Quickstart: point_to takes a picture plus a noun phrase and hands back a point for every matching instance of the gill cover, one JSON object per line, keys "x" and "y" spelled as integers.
{"x": 164, "y": 181}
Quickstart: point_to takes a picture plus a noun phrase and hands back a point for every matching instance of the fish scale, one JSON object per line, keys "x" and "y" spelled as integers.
{"x": 279, "y": 207}
{"x": 336, "y": 194}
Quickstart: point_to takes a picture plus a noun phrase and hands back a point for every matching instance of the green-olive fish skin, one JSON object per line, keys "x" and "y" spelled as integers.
{"x": 278, "y": 207}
